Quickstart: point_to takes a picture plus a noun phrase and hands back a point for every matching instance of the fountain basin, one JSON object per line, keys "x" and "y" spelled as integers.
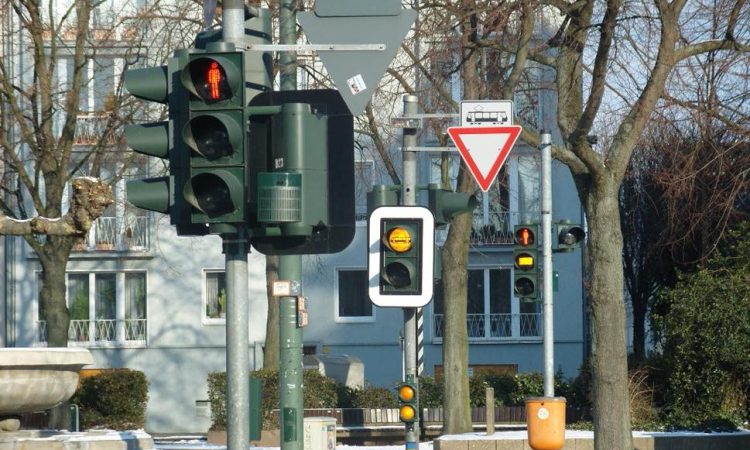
{"x": 36, "y": 379}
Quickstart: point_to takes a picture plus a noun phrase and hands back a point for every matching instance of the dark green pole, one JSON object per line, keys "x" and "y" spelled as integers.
{"x": 290, "y": 268}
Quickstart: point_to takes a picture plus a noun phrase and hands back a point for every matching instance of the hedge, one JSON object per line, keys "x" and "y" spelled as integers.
{"x": 113, "y": 399}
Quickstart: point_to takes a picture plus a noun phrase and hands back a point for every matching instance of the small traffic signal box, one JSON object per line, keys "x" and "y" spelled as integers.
{"x": 525, "y": 261}
{"x": 567, "y": 236}
{"x": 401, "y": 256}
{"x": 408, "y": 403}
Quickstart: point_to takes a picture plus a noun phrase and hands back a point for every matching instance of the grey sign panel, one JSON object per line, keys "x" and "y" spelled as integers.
{"x": 332, "y": 8}
{"x": 357, "y": 73}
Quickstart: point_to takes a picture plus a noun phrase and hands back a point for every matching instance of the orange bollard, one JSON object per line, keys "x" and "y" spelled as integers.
{"x": 545, "y": 420}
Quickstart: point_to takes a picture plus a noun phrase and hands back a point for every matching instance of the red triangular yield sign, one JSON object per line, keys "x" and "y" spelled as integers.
{"x": 484, "y": 149}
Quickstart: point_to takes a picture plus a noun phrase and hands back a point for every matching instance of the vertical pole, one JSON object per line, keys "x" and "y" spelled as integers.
{"x": 549, "y": 338}
{"x": 290, "y": 268}
{"x": 233, "y": 22}
{"x": 238, "y": 353}
{"x": 409, "y": 198}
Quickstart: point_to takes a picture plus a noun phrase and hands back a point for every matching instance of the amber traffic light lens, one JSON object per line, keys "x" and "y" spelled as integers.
{"x": 524, "y": 261}
{"x": 406, "y": 393}
{"x": 407, "y": 413}
{"x": 398, "y": 239}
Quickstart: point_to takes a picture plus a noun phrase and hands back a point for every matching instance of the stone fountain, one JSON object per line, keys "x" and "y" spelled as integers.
{"x": 37, "y": 379}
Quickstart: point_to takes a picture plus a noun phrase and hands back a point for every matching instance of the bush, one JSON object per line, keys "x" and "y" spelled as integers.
{"x": 113, "y": 399}
{"x": 318, "y": 392}
{"x": 704, "y": 333}
{"x": 367, "y": 397}
{"x": 430, "y": 392}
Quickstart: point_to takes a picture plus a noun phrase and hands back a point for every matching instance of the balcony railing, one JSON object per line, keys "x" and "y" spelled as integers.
{"x": 118, "y": 234}
{"x": 495, "y": 326}
{"x": 100, "y": 332}
{"x": 91, "y": 127}
{"x": 495, "y": 229}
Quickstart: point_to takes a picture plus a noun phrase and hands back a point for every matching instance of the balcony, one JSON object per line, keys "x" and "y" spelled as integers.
{"x": 101, "y": 333}
{"x": 90, "y": 128}
{"x": 482, "y": 327}
{"x": 495, "y": 228}
{"x": 124, "y": 234}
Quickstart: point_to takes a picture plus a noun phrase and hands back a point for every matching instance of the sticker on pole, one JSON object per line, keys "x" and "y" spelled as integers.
{"x": 485, "y": 149}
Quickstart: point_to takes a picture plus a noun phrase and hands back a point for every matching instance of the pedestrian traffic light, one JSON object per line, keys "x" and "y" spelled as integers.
{"x": 161, "y": 139}
{"x": 567, "y": 236}
{"x": 525, "y": 261}
{"x": 401, "y": 256}
{"x": 215, "y": 135}
{"x": 408, "y": 408}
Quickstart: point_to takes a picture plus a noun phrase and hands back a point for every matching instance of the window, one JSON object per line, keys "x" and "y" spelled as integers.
{"x": 352, "y": 301}
{"x": 106, "y": 308}
{"x": 492, "y": 312}
{"x": 215, "y": 296}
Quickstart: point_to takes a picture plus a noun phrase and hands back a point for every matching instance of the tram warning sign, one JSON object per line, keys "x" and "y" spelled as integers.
{"x": 486, "y": 113}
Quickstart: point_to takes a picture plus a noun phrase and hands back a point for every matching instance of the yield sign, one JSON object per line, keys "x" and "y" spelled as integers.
{"x": 485, "y": 149}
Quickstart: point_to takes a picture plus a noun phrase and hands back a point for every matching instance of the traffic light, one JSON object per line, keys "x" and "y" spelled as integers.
{"x": 525, "y": 261}
{"x": 567, "y": 236}
{"x": 401, "y": 256}
{"x": 214, "y": 135}
{"x": 408, "y": 408}
{"x": 161, "y": 139}
{"x": 446, "y": 204}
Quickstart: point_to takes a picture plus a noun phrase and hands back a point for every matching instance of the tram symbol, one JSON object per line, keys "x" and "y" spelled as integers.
{"x": 486, "y": 117}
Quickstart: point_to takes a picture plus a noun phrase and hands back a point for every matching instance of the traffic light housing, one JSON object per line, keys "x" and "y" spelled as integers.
{"x": 567, "y": 236}
{"x": 214, "y": 135}
{"x": 301, "y": 173}
{"x": 445, "y": 204}
{"x": 401, "y": 256}
{"x": 161, "y": 139}
{"x": 526, "y": 261}
{"x": 408, "y": 402}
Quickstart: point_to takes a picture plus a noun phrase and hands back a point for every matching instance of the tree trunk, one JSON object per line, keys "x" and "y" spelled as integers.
{"x": 271, "y": 348}
{"x": 456, "y": 408}
{"x": 608, "y": 353}
{"x": 54, "y": 259}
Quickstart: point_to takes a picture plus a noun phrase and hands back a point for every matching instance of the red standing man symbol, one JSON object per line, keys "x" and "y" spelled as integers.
{"x": 214, "y": 78}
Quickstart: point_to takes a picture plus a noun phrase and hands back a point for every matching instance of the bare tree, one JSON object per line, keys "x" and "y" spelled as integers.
{"x": 45, "y": 142}
{"x": 614, "y": 63}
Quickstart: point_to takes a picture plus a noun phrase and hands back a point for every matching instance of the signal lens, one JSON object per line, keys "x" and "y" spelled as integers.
{"x": 407, "y": 413}
{"x": 398, "y": 239}
{"x": 524, "y": 236}
{"x": 210, "y": 80}
{"x": 524, "y": 286}
{"x": 524, "y": 261}
{"x": 406, "y": 393}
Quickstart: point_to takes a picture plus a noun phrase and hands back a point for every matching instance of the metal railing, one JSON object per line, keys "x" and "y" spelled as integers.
{"x": 90, "y": 128}
{"x": 118, "y": 233}
{"x": 101, "y": 331}
{"x": 494, "y": 229}
{"x": 495, "y": 326}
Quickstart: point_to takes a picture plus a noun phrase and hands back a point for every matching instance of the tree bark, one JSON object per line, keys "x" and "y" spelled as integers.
{"x": 608, "y": 346}
{"x": 271, "y": 347}
{"x": 54, "y": 258}
{"x": 456, "y": 408}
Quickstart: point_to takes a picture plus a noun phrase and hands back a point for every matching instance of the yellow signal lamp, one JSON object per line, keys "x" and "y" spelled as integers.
{"x": 406, "y": 393}
{"x": 407, "y": 413}
{"x": 525, "y": 261}
{"x": 399, "y": 239}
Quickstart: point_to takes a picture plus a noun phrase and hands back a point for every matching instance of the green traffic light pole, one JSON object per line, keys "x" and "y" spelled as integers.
{"x": 290, "y": 269}
{"x": 409, "y": 198}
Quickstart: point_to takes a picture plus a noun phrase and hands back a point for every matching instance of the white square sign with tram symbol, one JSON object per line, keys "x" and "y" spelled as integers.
{"x": 486, "y": 113}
